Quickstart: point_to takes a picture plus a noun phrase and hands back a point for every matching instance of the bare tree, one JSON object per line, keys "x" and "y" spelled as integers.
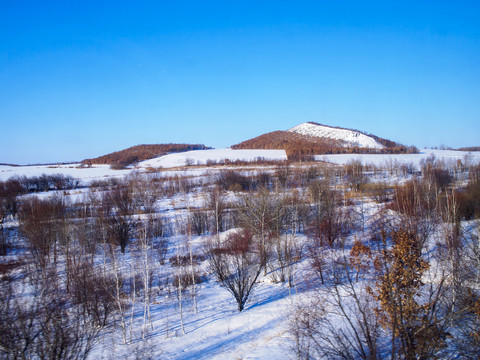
{"x": 145, "y": 193}
{"x": 198, "y": 219}
{"x": 46, "y": 325}
{"x": 236, "y": 263}
{"x": 416, "y": 206}
{"x": 216, "y": 203}
{"x": 287, "y": 246}
{"x": 329, "y": 222}
{"x": 179, "y": 286}
{"x": 260, "y": 213}
{"x": 355, "y": 174}
{"x": 114, "y": 278}
{"x": 8, "y": 206}
{"x": 118, "y": 207}
{"x": 341, "y": 321}
{"x": 146, "y": 241}
{"x": 39, "y": 220}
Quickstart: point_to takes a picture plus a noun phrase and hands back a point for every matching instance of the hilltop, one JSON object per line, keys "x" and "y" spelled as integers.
{"x": 311, "y": 138}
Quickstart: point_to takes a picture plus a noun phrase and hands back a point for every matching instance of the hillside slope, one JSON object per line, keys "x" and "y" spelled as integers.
{"x": 348, "y": 138}
{"x": 140, "y": 153}
{"x": 314, "y": 139}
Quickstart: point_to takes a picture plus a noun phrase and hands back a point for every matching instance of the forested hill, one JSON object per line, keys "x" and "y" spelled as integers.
{"x": 314, "y": 139}
{"x": 138, "y": 153}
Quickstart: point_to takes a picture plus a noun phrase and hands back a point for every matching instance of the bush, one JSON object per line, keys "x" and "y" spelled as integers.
{"x": 184, "y": 260}
{"x": 186, "y": 280}
{"x": 235, "y": 181}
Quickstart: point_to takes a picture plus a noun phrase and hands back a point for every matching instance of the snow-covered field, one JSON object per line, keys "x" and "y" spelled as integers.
{"x": 98, "y": 172}
{"x": 449, "y": 156}
{"x": 86, "y": 174}
{"x": 201, "y": 157}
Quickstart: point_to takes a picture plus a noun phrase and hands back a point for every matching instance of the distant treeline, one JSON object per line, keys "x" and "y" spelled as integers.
{"x": 471, "y": 148}
{"x": 41, "y": 183}
{"x": 299, "y": 146}
{"x": 12, "y": 188}
{"x": 120, "y": 159}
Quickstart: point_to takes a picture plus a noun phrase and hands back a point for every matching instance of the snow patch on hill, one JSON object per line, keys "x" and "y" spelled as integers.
{"x": 349, "y": 137}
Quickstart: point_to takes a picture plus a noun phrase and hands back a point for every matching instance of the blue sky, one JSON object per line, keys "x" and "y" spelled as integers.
{"x": 79, "y": 79}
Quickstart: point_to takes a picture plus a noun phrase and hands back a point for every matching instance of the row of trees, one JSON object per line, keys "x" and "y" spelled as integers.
{"x": 47, "y": 182}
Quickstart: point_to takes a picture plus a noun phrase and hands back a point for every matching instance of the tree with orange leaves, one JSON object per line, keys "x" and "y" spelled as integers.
{"x": 415, "y": 331}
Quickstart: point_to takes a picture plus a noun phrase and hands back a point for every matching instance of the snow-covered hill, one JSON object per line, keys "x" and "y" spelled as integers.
{"x": 349, "y": 138}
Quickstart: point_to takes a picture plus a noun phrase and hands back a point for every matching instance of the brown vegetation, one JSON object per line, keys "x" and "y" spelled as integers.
{"x": 120, "y": 159}
{"x": 471, "y": 148}
{"x": 301, "y": 147}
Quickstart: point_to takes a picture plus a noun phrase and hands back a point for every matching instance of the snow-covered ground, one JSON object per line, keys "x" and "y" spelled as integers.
{"x": 98, "y": 172}
{"x": 385, "y": 159}
{"x": 201, "y": 157}
{"x": 86, "y": 174}
{"x": 350, "y": 137}
{"x": 218, "y": 331}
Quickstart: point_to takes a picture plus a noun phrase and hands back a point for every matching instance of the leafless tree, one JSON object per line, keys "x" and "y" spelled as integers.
{"x": 46, "y": 325}
{"x": 355, "y": 174}
{"x": 39, "y": 220}
{"x": 236, "y": 263}
{"x": 339, "y": 321}
{"x": 146, "y": 237}
{"x": 216, "y": 203}
{"x": 145, "y": 193}
{"x": 198, "y": 219}
{"x": 287, "y": 246}
{"x": 118, "y": 208}
{"x": 9, "y": 192}
{"x": 260, "y": 213}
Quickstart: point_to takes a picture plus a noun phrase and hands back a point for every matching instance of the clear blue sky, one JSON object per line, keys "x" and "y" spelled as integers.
{"x": 80, "y": 79}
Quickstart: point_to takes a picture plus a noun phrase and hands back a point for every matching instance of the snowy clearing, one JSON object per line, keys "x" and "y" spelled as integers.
{"x": 86, "y": 174}
{"x": 201, "y": 157}
{"x": 415, "y": 159}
